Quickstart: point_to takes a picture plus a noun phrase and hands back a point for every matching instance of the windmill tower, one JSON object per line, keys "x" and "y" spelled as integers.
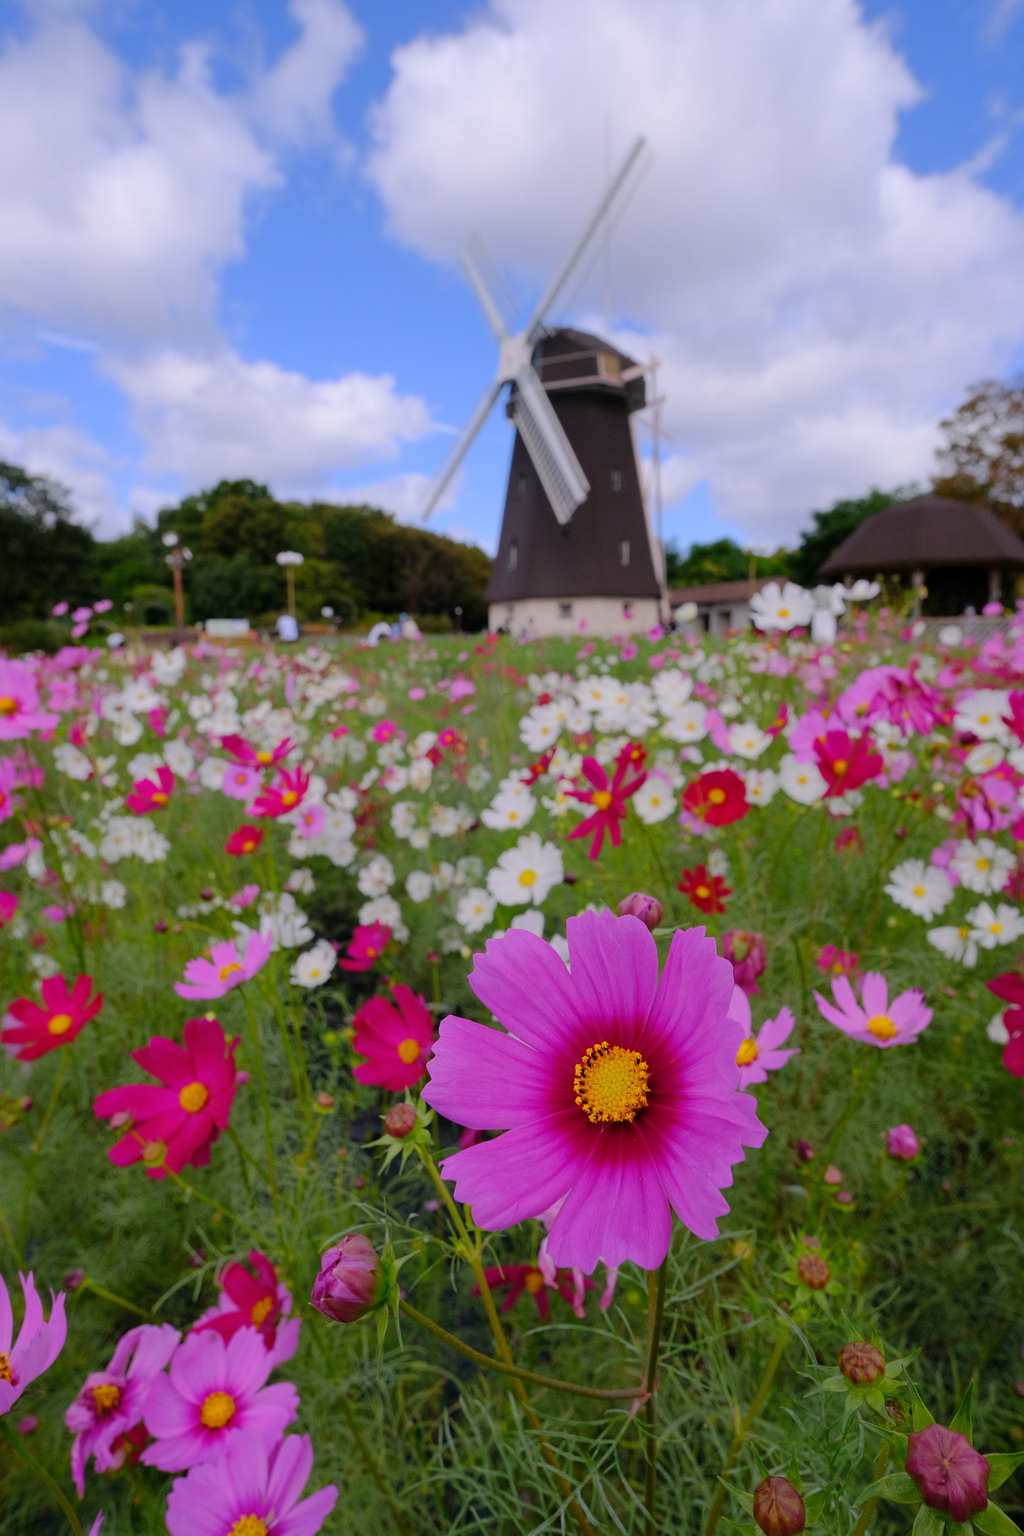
{"x": 576, "y": 552}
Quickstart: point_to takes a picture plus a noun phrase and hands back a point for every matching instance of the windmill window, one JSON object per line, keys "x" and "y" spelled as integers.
{"x": 617, "y": 482}
{"x": 623, "y": 551}
{"x": 565, "y": 610}
{"x": 513, "y": 554}
{"x": 521, "y": 485}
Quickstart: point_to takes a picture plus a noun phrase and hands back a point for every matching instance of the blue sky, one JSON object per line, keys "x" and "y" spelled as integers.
{"x": 232, "y": 230}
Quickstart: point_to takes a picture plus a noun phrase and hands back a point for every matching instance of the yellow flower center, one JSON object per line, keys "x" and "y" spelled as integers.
{"x": 746, "y": 1053}
{"x": 249, "y": 1525}
{"x": 289, "y": 797}
{"x": 840, "y": 766}
{"x": 194, "y": 1097}
{"x": 248, "y": 846}
{"x": 228, "y": 970}
{"x": 995, "y": 927}
{"x": 918, "y": 890}
{"x": 158, "y": 797}
{"x": 528, "y": 877}
{"x": 408, "y": 1051}
{"x": 217, "y": 1410}
{"x": 260, "y": 1310}
{"x": 963, "y": 933}
{"x": 60, "y": 1024}
{"x": 882, "y": 1027}
{"x": 984, "y": 719}
{"x": 783, "y": 613}
{"x": 981, "y": 863}
{"x": 264, "y": 758}
{"x": 610, "y": 1083}
{"x": 703, "y": 891}
{"x": 8, "y": 706}
{"x": 601, "y": 798}
{"x": 716, "y": 796}
{"x": 6, "y": 1374}
{"x": 105, "y": 1398}
{"x": 534, "y": 1282}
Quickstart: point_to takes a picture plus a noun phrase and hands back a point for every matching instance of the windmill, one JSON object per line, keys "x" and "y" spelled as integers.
{"x": 576, "y": 551}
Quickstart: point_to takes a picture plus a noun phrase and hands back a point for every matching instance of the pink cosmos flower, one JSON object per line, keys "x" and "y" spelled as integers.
{"x": 242, "y": 752}
{"x": 616, "y": 1091}
{"x": 111, "y": 1401}
{"x": 225, "y": 969}
{"x": 103, "y": 606}
{"x": 757, "y": 1057}
{"x": 252, "y": 1490}
{"x": 608, "y": 797}
{"x": 839, "y": 961}
{"x": 8, "y": 907}
{"x": 20, "y": 714}
{"x": 368, "y": 944}
{"x": 243, "y": 897}
{"x": 16, "y": 853}
{"x": 213, "y": 1396}
{"x": 38, "y": 1343}
{"x": 286, "y": 795}
{"x": 241, "y": 781}
{"x": 254, "y": 1301}
{"x": 151, "y": 794}
{"x": 878, "y": 1022}
{"x": 62, "y": 1017}
{"x": 178, "y": 1123}
{"x": 82, "y": 615}
{"x": 384, "y": 731}
{"x": 310, "y": 821}
{"x": 59, "y": 610}
{"x": 8, "y": 783}
{"x": 396, "y": 1040}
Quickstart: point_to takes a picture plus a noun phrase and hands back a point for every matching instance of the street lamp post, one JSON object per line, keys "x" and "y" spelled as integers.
{"x": 290, "y": 558}
{"x": 176, "y": 560}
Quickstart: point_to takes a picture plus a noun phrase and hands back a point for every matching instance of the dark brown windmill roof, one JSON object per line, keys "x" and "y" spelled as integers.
{"x": 571, "y": 359}
{"x": 923, "y": 533}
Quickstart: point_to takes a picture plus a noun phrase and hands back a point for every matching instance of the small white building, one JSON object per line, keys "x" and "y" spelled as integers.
{"x": 721, "y": 605}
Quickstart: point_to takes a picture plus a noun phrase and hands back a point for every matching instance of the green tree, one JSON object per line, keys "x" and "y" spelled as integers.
{"x": 723, "y": 560}
{"x": 44, "y": 556}
{"x": 983, "y": 455}
{"x": 831, "y": 527}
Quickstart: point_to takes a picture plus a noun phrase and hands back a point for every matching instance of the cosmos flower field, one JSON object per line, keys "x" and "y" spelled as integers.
{"x": 465, "y": 1085}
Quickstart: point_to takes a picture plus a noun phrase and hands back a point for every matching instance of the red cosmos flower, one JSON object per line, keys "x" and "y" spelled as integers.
{"x": 367, "y": 946}
{"x": 703, "y": 891}
{"x": 850, "y": 838}
{"x": 283, "y": 796}
{"x": 1011, "y": 989}
{"x": 837, "y": 962}
{"x": 148, "y": 795}
{"x": 527, "y": 1277}
{"x": 63, "y": 1015}
{"x": 780, "y": 721}
{"x": 1015, "y": 719}
{"x": 256, "y": 1301}
{"x": 246, "y": 840}
{"x": 717, "y": 798}
{"x": 178, "y": 1123}
{"x": 608, "y": 797}
{"x": 242, "y": 752}
{"x": 846, "y": 762}
{"x": 397, "y": 1041}
{"x": 540, "y": 766}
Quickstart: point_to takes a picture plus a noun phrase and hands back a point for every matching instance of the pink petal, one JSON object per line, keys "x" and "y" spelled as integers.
{"x": 490, "y": 1176}
{"x": 774, "y": 1031}
{"x": 528, "y": 989}
{"x": 614, "y": 964}
{"x": 487, "y": 1080}
{"x": 693, "y": 997}
{"x": 293, "y": 1462}
{"x": 617, "y": 1208}
{"x": 874, "y": 994}
{"x": 307, "y": 1518}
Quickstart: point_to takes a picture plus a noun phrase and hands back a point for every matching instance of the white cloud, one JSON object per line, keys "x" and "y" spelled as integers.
{"x": 293, "y": 99}
{"x": 65, "y": 454}
{"x": 403, "y": 495}
{"x": 817, "y": 304}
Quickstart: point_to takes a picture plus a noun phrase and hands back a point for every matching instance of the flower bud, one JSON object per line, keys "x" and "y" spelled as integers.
{"x": 748, "y": 957}
{"x": 778, "y": 1508}
{"x": 861, "y": 1363}
{"x": 804, "y": 1152}
{"x": 348, "y": 1284}
{"x": 647, "y": 908}
{"x": 951, "y": 1476}
{"x": 814, "y": 1272}
{"x": 325, "y": 1101}
{"x": 901, "y": 1142}
{"x": 400, "y": 1120}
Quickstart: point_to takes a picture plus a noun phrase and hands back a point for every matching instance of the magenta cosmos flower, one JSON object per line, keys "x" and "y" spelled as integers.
{"x": 213, "y": 1396}
{"x": 257, "y": 1301}
{"x": 38, "y": 1343}
{"x": 252, "y": 1492}
{"x": 396, "y": 1041}
{"x": 758, "y": 1056}
{"x": 177, "y": 1124}
{"x": 111, "y": 1401}
{"x": 63, "y": 1015}
{"x": 617, "y": 1092}
{"x": 878, "y": 1022}
{"x": 151, "y": 794}
{"x": 20, "y": 714}
{"x": 226, "y": 968}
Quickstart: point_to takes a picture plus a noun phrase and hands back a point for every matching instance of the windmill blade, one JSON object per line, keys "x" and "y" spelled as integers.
{"x": 631, "y": 164}
{"x": 485, "y": 274}
{"x": 487, "y": 304}
{"x": 550, "y": 450}
{"x": 480, "y": 413}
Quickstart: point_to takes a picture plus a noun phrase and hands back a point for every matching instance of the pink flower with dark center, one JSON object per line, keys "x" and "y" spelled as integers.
{"x": 213, "y": 1396}
{"x": 240, "y": 781}
{"x": 178, "y": 1123}
{"x": 618, "y": 1092}
{"x": 38, "y": 1343}
{"x": 397, "y": 1040}
{"x": 110, "y": 1403}
{"x": 20, "y": 714}
{"x": 151, "y": 794}
{"x": 878, "y": 1022}
{"x": 951, "y": 1476}
{"x": 242, "y": 752}
{"x": 367, "y": 945}
{"x": 757, "y": 1056}
{"x": 226, "y": 968}
{"x": 284, "y": 796}
{"x": 252, "y": 1491}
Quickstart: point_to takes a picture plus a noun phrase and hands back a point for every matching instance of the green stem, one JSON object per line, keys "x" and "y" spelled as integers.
{"x": 655, "y": 1318}
{"x": 856, "y": 1100}
{"x": 41, "y": 1473}
{"x": 119, "y": 1301}
{"x": 504, "y": 1369}
{"x": 743, "y": 1428}
{"x": 37, "y": 1146}
{"x": 214, "y": 1204}
{"x": 867, "y": 1513}
{"x": 370, "y": 1464}
{"x": 254, "y": 1033}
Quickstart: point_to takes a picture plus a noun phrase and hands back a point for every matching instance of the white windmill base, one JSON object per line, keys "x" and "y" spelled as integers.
{"x": 587, "y": 618}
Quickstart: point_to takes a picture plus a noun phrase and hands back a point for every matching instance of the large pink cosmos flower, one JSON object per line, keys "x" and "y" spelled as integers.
{"x": 38, "y": 1343}
{"x": 111, "y": 1401}
{"x": 213, "y": 1396}
{"x": 176, "y": 1124}
{"x": 226, "y": 968}
{"x": 251, "y": 1491}
{"x": 20, "y": 714}
{"x": 878, "y": 1022}
{"x": 758, "y": 1056}
{"x": 617, "y": 1091}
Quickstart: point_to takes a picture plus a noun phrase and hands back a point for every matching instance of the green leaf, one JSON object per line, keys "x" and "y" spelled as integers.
{"x": 921, "y": 1418}
{"x": 963, "y": 1423}
{"x": 928, "y": 1523}
{"x": 746, "y": 1499}
{"x": 1002, "y": 1465}
{"x": 898, "y": 1486}
{"x": 960, "y": 1530}
{"x": 816, "y": 1504}
{"x": 995, "y": 1523}
{"x": 793, "y": 1473}
{"x": 834, "y": 1384}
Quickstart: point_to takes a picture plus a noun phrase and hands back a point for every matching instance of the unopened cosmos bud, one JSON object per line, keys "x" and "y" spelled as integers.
{"x": 647, "y": 908}
{"x": 861, "y": 1363}
{"x": 778, "y": 1508}
{"x": 400, "y": 1120}
{"x": 349, "y": 1280}
{"x": 814, "y": 1272}
{"x": 951, "y": 1476}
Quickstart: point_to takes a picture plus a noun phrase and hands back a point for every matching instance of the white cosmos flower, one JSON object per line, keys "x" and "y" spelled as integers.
{"x": 747, "y": 740}
{"x": 802, "y": 782}
{"x": 955, "y": 944}
{"x": 997, "y": 1031}
{"x": 301, "y": 880}
{"x": 378, "y": 876}
{"x": 686, "y": 724}
{"x": 526, "y": 872}
{"x": 211, "y": 772}
{"x": 920, "y": 888}
{"x": 542, "y": 727}
{"x": 654, "y": 800}
{"x": 981, "y": 713}
{"x": 314, "y": 967}
{"x": 986, "y": 755}
{"x": 144, "y": 765}
{"x": 772, "y": 609}
{"x": 420, "y": 773}
{"x": 419, "y": 885}
{"x": 443, "y": 821}
{"x": 530, "y": 922}
{"x": 128, "y": 731}
{"x": 475, "y": 910}
{"x": 671, "y": 690}
{"x": 717, "y": 863}
{"x": 761, "y": 785}
{"x": 509, "y": 810}
{"x": 862, "y": 591}
{"x": 403, "y": 817}
{"x": 419, "y": 837}
{"x": 982, "y": 866}
{"x": 385, "y": 909}
{"x": 113, "y": 894}
{"x": 178, "y": 757}
{"x": 72, "y": 762}
{"x": 989, "y": 928}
